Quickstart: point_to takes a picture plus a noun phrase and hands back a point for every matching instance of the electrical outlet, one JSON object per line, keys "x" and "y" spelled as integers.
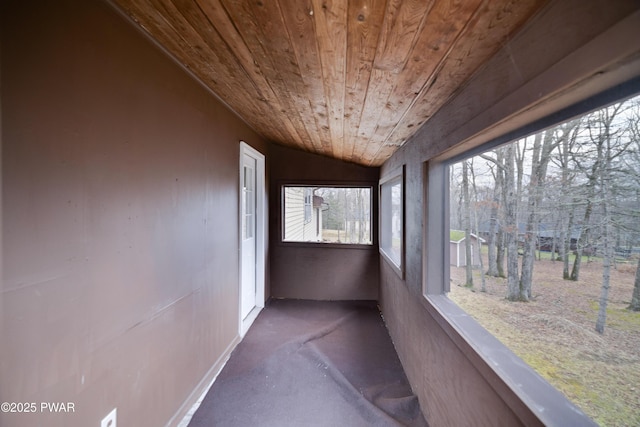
{"x": 109, "y": 420}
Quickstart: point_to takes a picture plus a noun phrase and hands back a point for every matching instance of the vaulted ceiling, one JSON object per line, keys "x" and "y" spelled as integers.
{"x": 350, "y": 79}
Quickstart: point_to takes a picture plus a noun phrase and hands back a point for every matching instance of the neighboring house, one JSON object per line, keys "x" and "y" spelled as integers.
{"x": 303, "y": 215}
{"x": 547, "y": 233}
{"x": 457, "y": 252}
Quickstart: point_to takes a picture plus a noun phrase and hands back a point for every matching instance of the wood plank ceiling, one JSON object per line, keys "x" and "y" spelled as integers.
{"x": 350, "y": 79}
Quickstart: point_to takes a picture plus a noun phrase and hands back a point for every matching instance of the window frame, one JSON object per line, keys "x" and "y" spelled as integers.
{"x": 372, "y": 186}
{"x": 523, "y": 389}
{"x": 395, "y": 176}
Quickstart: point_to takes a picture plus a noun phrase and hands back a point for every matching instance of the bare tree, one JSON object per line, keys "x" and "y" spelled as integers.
{"x": 591, "y": 172}
{"x": 501, "y": 248}
{"x": 568, "y": 134}
{"x": 483, "y": 285}
{"x": 531, "y": 227}
{"x": 633, "y": 173}
{"x": 610, "y": 144}
{"x": 492, "y": 269}
{"x": 543, "y": 144}
{"x": 467, "y": 224}
{"x": 607, "y": 250}
{"x": 583, "y": 172}
{"x": 510, "y": 223}
{"x": 635, "y": 297}
{"x": 495, "y": 243}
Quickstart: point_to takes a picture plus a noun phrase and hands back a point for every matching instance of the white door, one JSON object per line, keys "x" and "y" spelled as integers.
{"x": 252, "y": 235}
{"x": 248, "y": 225}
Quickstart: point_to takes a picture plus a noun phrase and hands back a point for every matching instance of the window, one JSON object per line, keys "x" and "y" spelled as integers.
{"x": 327, "y": 214}
{"x": 547, "y": 228}
{"x": 392, "y": 220}
{"x": 308, "y": 201}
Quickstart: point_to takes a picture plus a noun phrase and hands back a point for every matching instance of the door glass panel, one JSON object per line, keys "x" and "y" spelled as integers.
{"x": 248, "y": 203}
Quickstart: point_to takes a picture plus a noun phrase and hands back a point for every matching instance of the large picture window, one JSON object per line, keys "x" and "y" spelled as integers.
{"x": 547, "y": 229}
{"x": 392, "y": 220}
{"x": 325, "y": 214}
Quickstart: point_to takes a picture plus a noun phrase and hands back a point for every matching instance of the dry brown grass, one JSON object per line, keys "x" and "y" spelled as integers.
{"x": 555, "y": 334}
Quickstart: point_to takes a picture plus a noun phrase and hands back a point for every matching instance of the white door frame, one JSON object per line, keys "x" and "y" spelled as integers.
{"x": 261, "y": 233}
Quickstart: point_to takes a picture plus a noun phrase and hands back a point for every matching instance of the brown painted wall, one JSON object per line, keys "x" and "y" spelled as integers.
{"x": 312, "y": 271}
{"x": 567, "y": 47}
{"x": 451, "y": 389}
{"x": 119, "y": 219}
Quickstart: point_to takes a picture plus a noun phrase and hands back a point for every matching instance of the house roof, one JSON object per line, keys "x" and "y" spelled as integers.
{"x": 545, "y": 229}
{"x": 317, "y": 201}
{"x": 352, "y": 80}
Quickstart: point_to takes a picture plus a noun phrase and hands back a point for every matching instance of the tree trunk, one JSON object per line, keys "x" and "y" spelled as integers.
{"x": 528, "y": 258}
{"x": 541, "y": 155}
{"x": 500, "y": 250}
{"x": 493, "y": 230}
{"x": 531, "y": 226}
{"x": 604, "y": 291}
{"x": 558, "y": 239}
{"x": 511, "y": 226}
{"x": 570, "y": 132}
{"x": 583, "y": 239}
{"x": 526, "y": 276}
{"x": 496, "y": 221}
{"x": 483, "y": 282}
{"x": 567, "y": 248}
{"x": 500, "y": 236}
{"x": 519, "y": 171}
{"x": 609, "y": 147}
{"x": 607, "y": 249}
{"x": 635, "y": 299}
{"x": 466, "y": 219}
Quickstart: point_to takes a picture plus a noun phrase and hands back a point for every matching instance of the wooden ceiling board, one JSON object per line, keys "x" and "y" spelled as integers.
{"x": 200, "y": 15}
{"x": 350, "y": 79}
{"x": 487, "y": 31}
{"x": 381, "y": 85}
{"x": 299, "y": 19}
{"x": 281, "y": 73}
{"x": 237, "y": 29}
{"x": 305, "y": 61}
{"x": 331, "y": 36}
{"x": 447, "y": 21}
{"x": 403, "y": 23}
{"x": 365, "y": 18}
{"x": 220, "y": 75}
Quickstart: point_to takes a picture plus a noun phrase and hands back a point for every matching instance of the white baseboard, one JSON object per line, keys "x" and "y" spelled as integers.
{"x": 183, "y": 416}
